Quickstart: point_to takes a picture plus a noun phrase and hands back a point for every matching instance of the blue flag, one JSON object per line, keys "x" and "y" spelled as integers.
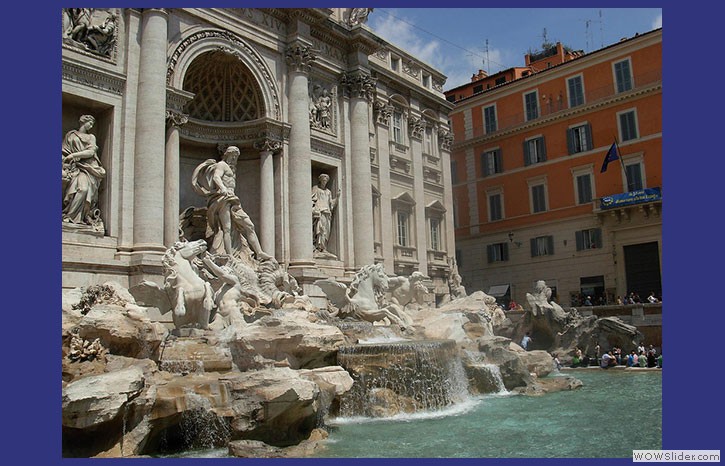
{"x": 611, "y": 156}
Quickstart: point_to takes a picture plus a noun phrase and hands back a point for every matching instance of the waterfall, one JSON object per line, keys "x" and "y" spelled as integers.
{"x": 402, "y": 377}
{"x": 200, "y": 426}
{"x": 495, "y": 374}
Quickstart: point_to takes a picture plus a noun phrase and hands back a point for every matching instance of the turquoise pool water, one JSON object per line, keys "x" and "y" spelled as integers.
{"x": 615, "y": 412}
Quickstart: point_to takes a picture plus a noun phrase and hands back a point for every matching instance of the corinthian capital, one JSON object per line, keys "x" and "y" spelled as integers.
{"x": 268, "y": 145}
{"x": 445, "y": 139}
{"x": 174, "y": 118}
{"x": 416, "y": 126}
{"x": 300, "y": 57}
{"x": 382, "y": 112}
{"x": 359, "y": 84}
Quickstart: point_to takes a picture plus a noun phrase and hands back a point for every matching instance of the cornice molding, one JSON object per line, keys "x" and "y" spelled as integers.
{"x": 93, "y": 77}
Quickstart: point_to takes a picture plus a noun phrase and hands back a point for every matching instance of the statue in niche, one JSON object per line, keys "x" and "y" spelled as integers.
{"x": 359, "y": 16}
{"x": 323, "y": 204}
{"x": 227, "y": 222}
{"x": 321, "y": 108}
{"x": 82, "y": 174}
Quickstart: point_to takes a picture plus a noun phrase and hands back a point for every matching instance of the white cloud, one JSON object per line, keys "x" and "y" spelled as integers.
{"x": 455, "y": 62}
{"x": 403, "y": 35}
{"x": 657, "y": 23}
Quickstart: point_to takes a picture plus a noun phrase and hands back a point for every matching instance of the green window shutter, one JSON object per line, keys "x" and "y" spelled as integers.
{"x": 579, "y": 240}
{"x": 590, "y": 141}
{"x": 526, "y": 154}
{"x": 505, "y": 255}
{"x": 499, "y": 161}
{"x": 534, "y": 252}
{"x": 489, "y": 253}
{"x": 550, "y": 245}
{"x": 598, "y": 237}
{"x": 543, "y": 149}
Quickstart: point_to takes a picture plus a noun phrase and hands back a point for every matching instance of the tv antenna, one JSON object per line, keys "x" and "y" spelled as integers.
{"x": 589, "y": 35}
{"x": 486, "y": 59}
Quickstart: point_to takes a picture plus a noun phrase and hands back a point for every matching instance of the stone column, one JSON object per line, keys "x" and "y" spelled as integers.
{"x": 299, "y": 62}
{"x": 361, "y": 88}
{"x": 416, "y": 129}
{"x": 267, "y": 149}
{"x": 171, "y": 177}
{"x": 445, "y": 139}
{"x": 148, "y": 204}
{"x": 383, "y": 112}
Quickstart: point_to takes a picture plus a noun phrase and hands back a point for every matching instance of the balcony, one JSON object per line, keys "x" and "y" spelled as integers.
{"x": 554, "y": 106}
{"x": 621, "y": 206}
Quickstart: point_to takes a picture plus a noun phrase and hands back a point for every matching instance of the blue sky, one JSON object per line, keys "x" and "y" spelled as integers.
{"x": 453, "y": 40}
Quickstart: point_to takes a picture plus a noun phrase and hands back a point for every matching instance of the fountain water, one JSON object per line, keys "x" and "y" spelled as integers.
{"x": 402, "y": 376}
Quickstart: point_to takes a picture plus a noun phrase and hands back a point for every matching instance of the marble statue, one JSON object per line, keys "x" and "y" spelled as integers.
{"x": 227, "y": 222}
{"x": 190, "y": 296}
{"x": 82, "y": 174}
{"x": 321, "y": 108}
{"x": 323, "y": 204}
{"x": 232, "y": 299}
{"x": 364, "y": 299}
{"x": 359, "y": 16}
{"x": 408, "y": 290}
{"x": 101, "y": 38}
{"x": 77, "y": 21}
{"x": 540, "y": 301}
{"x": 457, "y": 290}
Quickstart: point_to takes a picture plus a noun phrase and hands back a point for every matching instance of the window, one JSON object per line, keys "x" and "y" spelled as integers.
{"x": 498, "y": 252}
{"x": 403, "y": 236}
{"x": 426, "y": 81}
{"x": 435, "y": 234}
{"x": 534, "y": 151}
{"x": 628, "y": 125}
{"x": 500, "y": 80}
{"x": 542, "y": 246}
{"x": 579, "y": 138}
{"x": 623, "y": 76}
{"x": 495, "y": 207}
{"x": 584, "y": 188}
{"x": 589, "y": 239}
{"x": 398, "y": 127}
{"x": 491, "y": 162}
{"x": 531, "y": 105}
{"x": 489, "y": 119}
{"x": 477, "y": 89}
{"x": 634, "y": 176}
{"x": 538, "y": 198}
{"x": 428, "y": 140}
{"x": 451, "y": 98}
{"x": 394, "y": 63}
{"x": 575, "y": 87}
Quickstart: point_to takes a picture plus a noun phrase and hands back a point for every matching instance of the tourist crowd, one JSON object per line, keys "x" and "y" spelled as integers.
{"x": 640, "y": 357}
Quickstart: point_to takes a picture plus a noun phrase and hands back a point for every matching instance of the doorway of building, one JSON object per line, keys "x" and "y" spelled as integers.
{"x": 592, "y": 287}
{"x": 642, "y": 269}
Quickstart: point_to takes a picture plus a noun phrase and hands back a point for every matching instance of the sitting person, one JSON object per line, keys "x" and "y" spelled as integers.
{"x": 608, "y": 360}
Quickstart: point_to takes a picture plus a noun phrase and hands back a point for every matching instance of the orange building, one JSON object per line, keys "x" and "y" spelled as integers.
{"x": 531, "y": 201}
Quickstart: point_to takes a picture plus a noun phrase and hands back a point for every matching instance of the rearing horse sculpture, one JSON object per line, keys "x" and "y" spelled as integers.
{"x": 365, "y": 298}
